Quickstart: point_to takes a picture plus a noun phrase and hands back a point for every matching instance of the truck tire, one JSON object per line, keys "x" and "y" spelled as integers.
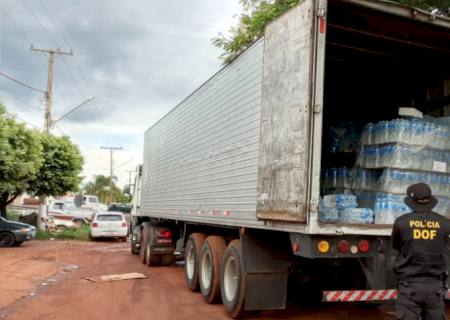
{"x": 143, "y": 241}
{"x": 191, "y": 265}
{"x": 211, "y": 256}
{"x": 168, "y": 260}
{"x": 233, "y": 280}
{"x": 151, "y": 259}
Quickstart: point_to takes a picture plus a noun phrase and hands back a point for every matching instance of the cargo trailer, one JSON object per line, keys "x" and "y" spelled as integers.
{"x": 235, "y": 177}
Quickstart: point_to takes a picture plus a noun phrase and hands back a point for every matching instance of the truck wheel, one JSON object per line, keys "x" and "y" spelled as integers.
{"x": 151, "y": 259}
{"x": 191, "y": 265}
{"x": 143, "y": 241}
{"x": 168, "y": 260}
{"x": 7, "y": 239}
{"x": 210, "y": 264}
{"x": 233, "y": 280}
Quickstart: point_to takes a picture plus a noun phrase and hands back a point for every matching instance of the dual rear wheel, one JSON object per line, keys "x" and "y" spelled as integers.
{"x": 216, "y": 270}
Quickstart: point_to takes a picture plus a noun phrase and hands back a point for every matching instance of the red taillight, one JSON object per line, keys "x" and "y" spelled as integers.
{"x": 164, "y": 234}
{"x": 94, "y": 225}
{"x": 363, "y": 246}
{"x": 343, "y": 246}
{"x": 124, "y": 224}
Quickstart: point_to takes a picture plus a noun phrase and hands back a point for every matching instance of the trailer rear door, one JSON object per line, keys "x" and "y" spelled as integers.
{"x": 290, "y": 54}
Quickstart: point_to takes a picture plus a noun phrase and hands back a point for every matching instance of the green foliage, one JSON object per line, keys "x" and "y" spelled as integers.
{"x": 61, "y": 167}
{"x": 443, "y": 6}
{"x": 258, "y": 13}
{"x": 38, "y": 163}
{"x": 81, "y": 234}
{"x": 12, "y": 215}
{"x": 100, "y": 188}
{"x": 20, "y": 158}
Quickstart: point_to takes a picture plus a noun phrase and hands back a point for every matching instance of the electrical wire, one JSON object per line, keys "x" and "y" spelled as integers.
{"x": 21, "y": 83}
{"x": 22, "y": 101}
{"x": 54, "y": 40}
{"x": 42, "y": 60}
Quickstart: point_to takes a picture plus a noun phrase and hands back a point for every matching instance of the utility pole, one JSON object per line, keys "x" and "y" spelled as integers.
{"x": 130, "y": 172}
{"x": 48, "y": 93}
{"x": 111, "y": 149}
{"x": 48, "y": 120}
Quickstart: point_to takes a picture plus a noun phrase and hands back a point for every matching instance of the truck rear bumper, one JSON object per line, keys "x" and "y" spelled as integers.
{"x": 363, "y": 295}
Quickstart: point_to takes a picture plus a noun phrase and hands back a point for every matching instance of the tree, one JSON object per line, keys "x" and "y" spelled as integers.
{"x": 258, "y": 13}
{"x": 100, "y": 188}
{"x": 61, "y": 167}
{"x": 20, "y": 158}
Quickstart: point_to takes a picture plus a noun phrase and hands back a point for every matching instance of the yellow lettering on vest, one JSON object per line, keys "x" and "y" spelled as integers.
{"x": 416, "y": 234}
{"x": 432, "y": 234}
{"x": 437, "y": 225}
{"x": 411, "y": 223}
{"x": 430, "y": 224}
{"x": 425, "y": 234}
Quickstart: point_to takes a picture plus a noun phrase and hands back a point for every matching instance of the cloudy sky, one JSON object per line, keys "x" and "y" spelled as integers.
{"x": 138, "y": 58}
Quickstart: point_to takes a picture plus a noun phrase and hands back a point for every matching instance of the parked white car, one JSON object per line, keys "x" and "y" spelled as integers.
{"x": 109, "y": 225}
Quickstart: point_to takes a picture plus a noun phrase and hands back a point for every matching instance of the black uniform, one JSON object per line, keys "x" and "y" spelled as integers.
{"x": 421, "y": 238}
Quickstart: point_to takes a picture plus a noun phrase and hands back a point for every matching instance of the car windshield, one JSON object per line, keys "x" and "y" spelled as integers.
{"x": 93, "y": 200}
{"x": 109, "y": 217}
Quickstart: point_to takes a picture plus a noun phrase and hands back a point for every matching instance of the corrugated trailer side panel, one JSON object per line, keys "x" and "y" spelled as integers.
{"x": 201, "y": 159}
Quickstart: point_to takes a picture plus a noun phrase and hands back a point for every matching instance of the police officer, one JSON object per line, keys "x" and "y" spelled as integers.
{"x": 421, "y": 239}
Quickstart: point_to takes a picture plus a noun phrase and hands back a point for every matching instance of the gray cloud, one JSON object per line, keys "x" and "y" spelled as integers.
{"x": 139, "y": 58}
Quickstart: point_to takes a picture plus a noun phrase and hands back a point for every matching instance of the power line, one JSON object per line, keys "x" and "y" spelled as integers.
{"x": 39, "y": 22}
{"x": 54, "y": 23}
{"x": 27, "y": 39}
{"x": 58, "y": 30}
{"x": 21, "y": 83}
{"x": 20, "y": 100}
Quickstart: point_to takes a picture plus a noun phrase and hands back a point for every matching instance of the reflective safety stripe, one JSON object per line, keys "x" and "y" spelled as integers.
{"x": 360, "y": 295}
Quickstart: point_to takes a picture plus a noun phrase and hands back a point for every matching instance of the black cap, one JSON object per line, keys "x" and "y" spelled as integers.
{"x": 419, "y": 197}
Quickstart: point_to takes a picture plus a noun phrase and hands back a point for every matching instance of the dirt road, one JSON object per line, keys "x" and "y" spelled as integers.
{"x": 46, "y": 280}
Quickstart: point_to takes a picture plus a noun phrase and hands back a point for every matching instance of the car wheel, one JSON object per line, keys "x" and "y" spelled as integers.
{"x": 79, "y": 222}
{"x": 7, "y": 239}
{"x": 17, "y": 243}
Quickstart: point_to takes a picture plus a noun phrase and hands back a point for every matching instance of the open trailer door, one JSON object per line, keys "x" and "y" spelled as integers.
{"x": 290, "y": 77}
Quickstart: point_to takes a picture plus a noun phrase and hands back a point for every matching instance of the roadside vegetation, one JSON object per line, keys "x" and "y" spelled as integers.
{"x": 258, "y": 13}
{"x": 81, "y": 234}
{"x": 100, "y": 188}
{"x": 34, "y": 162}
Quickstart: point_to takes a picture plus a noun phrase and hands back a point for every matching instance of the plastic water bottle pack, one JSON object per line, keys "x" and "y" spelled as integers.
{"x": 357, "y": 215}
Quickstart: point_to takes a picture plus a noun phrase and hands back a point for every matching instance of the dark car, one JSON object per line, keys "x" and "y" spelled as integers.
{"x": 13, "y": 233}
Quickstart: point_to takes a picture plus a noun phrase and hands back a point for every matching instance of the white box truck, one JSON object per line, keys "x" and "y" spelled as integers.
{"x": 231, "y": 177}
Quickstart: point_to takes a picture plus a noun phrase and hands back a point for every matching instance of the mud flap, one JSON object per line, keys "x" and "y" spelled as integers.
{"x": 266, "y": 262}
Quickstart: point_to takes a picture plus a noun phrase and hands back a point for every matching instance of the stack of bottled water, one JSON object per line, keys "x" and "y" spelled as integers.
{"x": 357, "y": 215}
{"x": 404, "y": 157}
{"x": 389, "y": 207}
{"x": 432, "y": 132}
{"x": 343, "y": 208}
{"x": 397, "y": 181}
{"x": 337, "y": 180}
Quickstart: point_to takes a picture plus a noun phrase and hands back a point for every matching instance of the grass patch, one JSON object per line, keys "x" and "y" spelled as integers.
{"x": 12, "y": 215}
{"x": 81, "y": 234}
